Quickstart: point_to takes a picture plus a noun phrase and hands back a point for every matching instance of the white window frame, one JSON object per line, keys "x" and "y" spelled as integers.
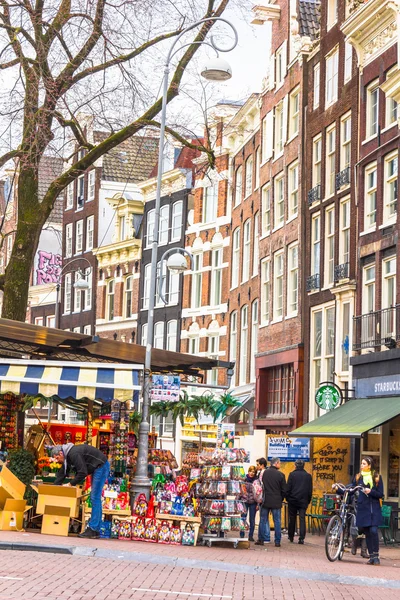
{"x": 70, "y": 196}
{"x": 177, "y": 220}
{"x": 91, "y": 185}
{"x": 77, "y": 294}
{"x": 197, "y": 280}
{"x": 388, "y": 273}
{"x": 368, "y": 288}
{"x": 39, "y": 321}
{"x": 163, "y": 231}
{"x": 317, "y": 160}
{"x": 172, "y": 336}
{"x": 293, "y": 190}
{"x": 316, "y": 244}
{"x": 294, "y": 112}
{"x": 390, "y": 188}
{"x": 210, "y": 203}
{"x": 293, "y": 280}
{"x": 87, "y": 294}
{"x": 345, "y": 141}
{"x": 370, "y": 196}
{"x": 110, "y": 300}
{"x": 324, "y": 357}
{"x": 257, "y": 169}
{"x": 87, "y": 329}
{"x": 244, "y": 342}
{"x": 280, "y": 65}
{"x": 80, "y": 192}
{"x": 235, "y": 258}
{"x": 391, "y": 106}
{"x": 69, "y": 232}
{"x": 173, "y": 288}
{"x": 249, "y": 165}
{"x": 266, "y": 209}
{"x": 144, "y": 334}
{"x": 253, "y": 339}
{"x": 146, "y": 286}
{"x": 67, "y": 293}
{"x": 277, "y": 308}
{"x": 330, "y": 161}
{"x": 279, "y": 124}
{"x": 151, "y": 215}
{"x": 316, "y": 85}
{"x": 79, "y": 237}
{"x": 256, "y": 243}
{"x": 246, "y": 251}
{"x": 233, "y": 337}
{"x": 128, "y": 296}
{"x": 267, "y": 136}
{"x": 216, "y": 276}
{"x": 329, "y": 269}
{"x": 331, "y": 77}
{"x": 348, "y": 61}
{"x": 279, "y": 201}
{"x": 158, "y": 341}
{"x": 372, "y": 110}
{"x": 122, "y": 229}
{"x": 89, "y": 232}
{"x": 331, "y": 13}
{"x": 265, "y": 291}
{"x": 238, "y": 186}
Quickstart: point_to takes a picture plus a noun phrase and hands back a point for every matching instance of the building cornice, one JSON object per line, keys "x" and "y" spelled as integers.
{"x": 265, "y": 12}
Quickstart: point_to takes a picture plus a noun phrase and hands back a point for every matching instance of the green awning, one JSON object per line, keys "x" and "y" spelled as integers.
{"x": 352, "y": 419}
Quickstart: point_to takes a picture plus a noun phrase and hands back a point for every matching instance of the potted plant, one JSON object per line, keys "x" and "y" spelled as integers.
{"x": 22, "y": 464}
{"x": 135, "y": 418}
{"x": 44, "y": 465}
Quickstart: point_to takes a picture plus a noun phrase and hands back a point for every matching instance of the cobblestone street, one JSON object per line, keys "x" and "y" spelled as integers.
{"x": 103, "y": 569}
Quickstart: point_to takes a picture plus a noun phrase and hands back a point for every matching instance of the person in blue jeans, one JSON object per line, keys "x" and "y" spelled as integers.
{"x": 84, "y": 460}
{"x": 250, "y": 502}
{"x": 274, "y": 484}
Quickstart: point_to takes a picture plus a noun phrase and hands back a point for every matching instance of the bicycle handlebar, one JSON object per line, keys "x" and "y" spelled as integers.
{"x": 350, "y": 487}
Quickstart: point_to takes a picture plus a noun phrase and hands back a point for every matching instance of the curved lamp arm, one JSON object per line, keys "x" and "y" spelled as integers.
{"x": 70, "y": 263}
{"x": 164, "y": 256}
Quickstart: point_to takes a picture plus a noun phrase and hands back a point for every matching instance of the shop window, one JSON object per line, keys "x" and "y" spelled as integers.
{"x": 280, "y": 391}
{"x": 392, "y": 488}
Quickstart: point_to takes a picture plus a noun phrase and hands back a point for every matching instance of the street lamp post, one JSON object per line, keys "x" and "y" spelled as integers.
{"x": 217, "y": 70}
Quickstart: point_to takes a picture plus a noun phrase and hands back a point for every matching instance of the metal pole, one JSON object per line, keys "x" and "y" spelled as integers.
{"x": 141, "y": 483}
{"x": 56, "y": 324}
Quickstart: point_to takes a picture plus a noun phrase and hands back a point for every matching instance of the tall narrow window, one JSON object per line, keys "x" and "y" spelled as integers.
{"x": 159, "y": 335}
{"x": 246, "y": 251}
{"x": 233, "y": 337}
{"x": 316, "y": 166}
{"x": 332, "y": 67}
{"x": 293, "y": 191}
{"x": 173, "y": 288}
{"x": 256, "y": 242}
{"x": 388, "y": 318}
{"x": 150, "y": 227}
{"x": 254, "y": 339}
{"x": 329, "y": 271}
{"x": 280, "y": 64}
{"x": 79, "y": 237}
{"x": 164, "y": 225}
{"x": 146, "y": 285}
{"x": 266, "y": 209}
{"x": 91, "y": 184}
{"x": 122, "y": 228}
{"x": 315, "y": 244}
{"x": 330, "y": 161}
{"x": 369, "y": 289}
{"x": 128, "y": 297}
{"x": 331, "y": 13}
{"x": 294, "y": 113}
{"x": 87, "y": 303}
{"x": 80, "y": 198}
{"x": 110, "y": 299}
{"x": 372, "y": 109}
{"x": 265, "y": 292}
{"x": 348, "y": 61}
{"x": 70, "y": 196}
{"x": 257, "y": 169}
{"x": 77, "y": 294}
{"x": 249, "y": 176}
{"x": 213, "y": 345}
{"x": 279, "y": 128}
{"x": 68, "y": 240}
{"x": 89, "y": 232}
{"x": 197, "y": 279}
{"x": 210, "y": 203}
{"x": 144, "y": 334}
{"x": 67, "y": 292}
{"x": 293, "y": 280}
{"x": 317, "y": 84}
{"x": 238, "y": 185}
{"x": 161, "y": 273}
{"x": 322, "y": 346}
{"x": 370, "y": 180}
{"x": 279, "y": 201}
{"x": 390, "y": 186}
{"x": 244, "y": 340}
{"x": 344, "y": 347}
{"x": 345, "y": 143}
{"x": 177, "y": 209}
{"x": 267, "y": 138}
{"x": 278, "y": 286}
{"x": 216, "y": 276}
{"x": 235, "y": 258}
{"x": 172, "y": 328}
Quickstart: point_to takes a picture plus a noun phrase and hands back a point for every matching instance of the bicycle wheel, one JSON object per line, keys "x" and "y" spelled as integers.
{"x": 334, "y": 538}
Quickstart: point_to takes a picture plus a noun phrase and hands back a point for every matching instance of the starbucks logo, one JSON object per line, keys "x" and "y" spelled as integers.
{"x": 328, "y": 396}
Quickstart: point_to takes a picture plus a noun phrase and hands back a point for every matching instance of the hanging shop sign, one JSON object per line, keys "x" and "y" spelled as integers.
{"x": 289, "y": 449}
{"x": 328, "y": 396}
{"x": 165, "y": 388}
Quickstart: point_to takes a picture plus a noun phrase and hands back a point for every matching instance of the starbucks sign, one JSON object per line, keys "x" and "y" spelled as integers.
{"x": 328, "y": 396}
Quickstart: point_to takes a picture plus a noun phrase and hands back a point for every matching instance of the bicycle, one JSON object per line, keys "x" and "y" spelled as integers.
{"x": 335, "y": 531}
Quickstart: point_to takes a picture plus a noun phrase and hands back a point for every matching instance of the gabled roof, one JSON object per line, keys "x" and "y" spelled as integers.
{"x": 131, "y": 161}
{"x": 309, "y": 14}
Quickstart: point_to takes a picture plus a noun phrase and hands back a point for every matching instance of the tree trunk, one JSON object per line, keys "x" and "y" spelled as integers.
{"x": 29, "y": 228}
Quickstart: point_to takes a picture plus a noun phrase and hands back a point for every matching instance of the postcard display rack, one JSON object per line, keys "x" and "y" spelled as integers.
{"x": 218, "y": 480}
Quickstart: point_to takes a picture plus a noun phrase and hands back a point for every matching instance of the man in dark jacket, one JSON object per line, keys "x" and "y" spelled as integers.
{"x": 274, "y": 485}
{"x": 298, "y": 494}
{"x": 85, "y": 460}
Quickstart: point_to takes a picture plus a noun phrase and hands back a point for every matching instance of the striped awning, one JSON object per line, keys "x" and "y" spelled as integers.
{"x": 65, "y": 381}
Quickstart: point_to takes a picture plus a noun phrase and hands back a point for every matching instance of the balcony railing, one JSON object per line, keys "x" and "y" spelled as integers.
{"x": 377, "y": 328}
{"x": 312, "y": 283}
{"x": 341, "y": 272}
{"x": 343, "y": 178}
{"x": 314, "y": 194}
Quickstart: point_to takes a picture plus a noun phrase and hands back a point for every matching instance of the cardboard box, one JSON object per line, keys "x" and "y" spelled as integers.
{"x": 12, "y": 516}
{"x": 56, "y": 520}
{"x": 58, "y": 496}
{"x": 11, "y": 488}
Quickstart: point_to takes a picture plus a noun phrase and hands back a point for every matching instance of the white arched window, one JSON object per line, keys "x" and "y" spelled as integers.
{"x": 172, "y": 328}
{"x": 159, "y": 335}
{"x": 249, "y": 176}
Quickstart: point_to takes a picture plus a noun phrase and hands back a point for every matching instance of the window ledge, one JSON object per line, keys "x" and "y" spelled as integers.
{"x": 79, "y": 209}
{"x": 369, "y": 139}
{"x": 277, "y": 228}
{"x": 291, "y": 316}
{"x": 248, "y": 196}
{"x": 367, "y": 231}
{"x": 328, "y": 197}
{"x": 262, "y": 325}
{"x": 392, "y": 221}
{"x": 277, "y": 156}
{"x": 329, "y": 287}
{"x": 278, "y": 320}
{"x": 68, "y": 208}
{"x": 292, "y": 137}
{"x": 292, "y": 218}
{"x": 265, "y": 161}
{"x": 388, "y": 127}
{"x": 265, "y": 235}
{"x": 331, "y": 103}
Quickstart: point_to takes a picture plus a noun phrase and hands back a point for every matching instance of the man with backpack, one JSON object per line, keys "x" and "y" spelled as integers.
{"x": 274, "y": 484}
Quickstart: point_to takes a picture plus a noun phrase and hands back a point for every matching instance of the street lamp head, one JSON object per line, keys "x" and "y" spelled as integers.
{"x": 177, "y": 263}
{"x": 81, "y": 284}
{"x": 216, "y": 69}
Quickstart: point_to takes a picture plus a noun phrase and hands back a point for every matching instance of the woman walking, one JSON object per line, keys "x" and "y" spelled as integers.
{"x": 250, "y": 502}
